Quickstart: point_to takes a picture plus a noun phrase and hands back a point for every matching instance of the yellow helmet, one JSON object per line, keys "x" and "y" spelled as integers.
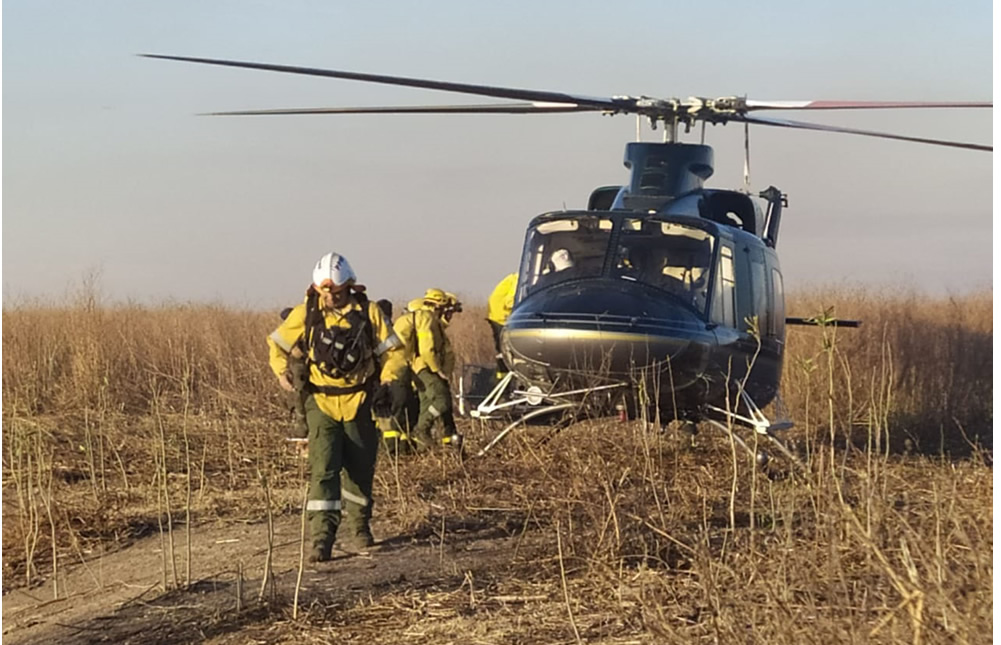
{"x": 435, "y": 297}
{"x": 453, "y": 302}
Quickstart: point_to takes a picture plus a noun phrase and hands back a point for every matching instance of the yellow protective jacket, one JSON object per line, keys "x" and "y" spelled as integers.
{"x": 425, "y": 342}
{"x": 387, "y": 357}
{"x": 501, "y": 300}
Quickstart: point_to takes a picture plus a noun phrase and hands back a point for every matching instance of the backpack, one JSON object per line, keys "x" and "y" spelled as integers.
{"x": 338, "y": 351}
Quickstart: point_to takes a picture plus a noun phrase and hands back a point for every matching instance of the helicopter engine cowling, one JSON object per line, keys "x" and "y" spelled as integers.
{"x": 661, "y": 172}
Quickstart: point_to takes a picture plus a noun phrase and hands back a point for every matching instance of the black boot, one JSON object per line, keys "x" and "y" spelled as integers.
{"x": 320, "y": 552}
{"x": 359, "y": 541}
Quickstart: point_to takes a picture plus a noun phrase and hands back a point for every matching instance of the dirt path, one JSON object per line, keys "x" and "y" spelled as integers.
{"x": 117, "y": 598}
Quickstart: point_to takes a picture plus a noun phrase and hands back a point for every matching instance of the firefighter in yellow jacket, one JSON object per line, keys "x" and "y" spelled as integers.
{"x": 354, "y": 359}
{"x": 499, "y": 306}
{"x": 429, "y": 352}
{"x": 396, "y": 431}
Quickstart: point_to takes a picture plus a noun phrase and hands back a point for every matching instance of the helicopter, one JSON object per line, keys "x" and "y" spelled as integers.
{"x": 662, "y": 294}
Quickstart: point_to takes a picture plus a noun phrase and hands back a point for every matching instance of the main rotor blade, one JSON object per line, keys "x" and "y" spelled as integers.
{"x": 497, "y": 108}
{"x": 785, "y": 123}
{"x": 462, "y": 88}
{"x": 860, "y": 105}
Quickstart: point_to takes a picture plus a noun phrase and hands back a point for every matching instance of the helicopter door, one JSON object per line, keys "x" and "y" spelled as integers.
{"x": 753, "y": 316}
{"x": 765, "y": 303}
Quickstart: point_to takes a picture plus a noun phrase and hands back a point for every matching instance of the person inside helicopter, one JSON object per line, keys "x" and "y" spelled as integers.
{"x": 558, "y": 268}
{"x": 559, "y": 250}
{"x": 665, "y": 255}
{"x": 560, "y": 260}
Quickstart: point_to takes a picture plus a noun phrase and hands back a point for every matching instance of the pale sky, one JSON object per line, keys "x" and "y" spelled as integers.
{"x": 109, "y": 171}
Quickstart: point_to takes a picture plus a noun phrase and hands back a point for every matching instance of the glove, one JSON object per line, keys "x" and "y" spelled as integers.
{"x": 398, "y": 397}
{"x": 382, "y": 400}
{"x": 285, "y": 381}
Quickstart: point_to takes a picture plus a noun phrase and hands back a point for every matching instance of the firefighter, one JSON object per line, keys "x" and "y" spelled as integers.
{"x": 354, "y": 360}
{"x": 499, "y": 307}
{"x": 396, "y": 436}
{"x": 422, "y": 329}
{"x": 393, "y": 429}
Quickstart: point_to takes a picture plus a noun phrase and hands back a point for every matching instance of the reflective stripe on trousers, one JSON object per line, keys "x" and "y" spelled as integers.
{"x": 351, "y": 497}
{"x": 323, "y": 505}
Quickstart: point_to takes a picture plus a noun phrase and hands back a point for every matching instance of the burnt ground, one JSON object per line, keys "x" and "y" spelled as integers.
{"x": 118, "y": 598}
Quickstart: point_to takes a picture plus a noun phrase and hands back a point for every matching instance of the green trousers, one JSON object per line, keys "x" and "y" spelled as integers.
{"x": 407, "y": 417}
{"x": 341, "y": 469}
{"x": 436, "y": 403}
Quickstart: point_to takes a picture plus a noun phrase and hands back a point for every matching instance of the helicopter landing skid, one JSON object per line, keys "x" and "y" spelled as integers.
{"x": 759, "y": 423}
{"x": 542, "y": 404}
{"x": 492, "y": 406}
{"x": 522, "y": 419}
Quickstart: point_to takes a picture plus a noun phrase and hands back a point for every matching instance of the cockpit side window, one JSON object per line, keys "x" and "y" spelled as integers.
{"x": 725, "y": 303}
{"x": 776, "y": 325}
{"x": 667, "y": 255}
{"x": 558, "y": 250}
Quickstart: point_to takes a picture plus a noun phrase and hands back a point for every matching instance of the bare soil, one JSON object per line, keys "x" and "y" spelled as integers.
{"x": 117, "y": 598}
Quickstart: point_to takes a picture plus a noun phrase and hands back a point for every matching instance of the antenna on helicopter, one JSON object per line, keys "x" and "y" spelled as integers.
{"x": 747, "y": 157}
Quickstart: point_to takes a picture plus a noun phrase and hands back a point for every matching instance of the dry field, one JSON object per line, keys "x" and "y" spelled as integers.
{"x": 144, "y": 469}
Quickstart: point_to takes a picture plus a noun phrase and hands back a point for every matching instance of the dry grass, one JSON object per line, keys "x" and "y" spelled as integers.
{"x": 630, "y": 535}
{"x": 919, "y": 369}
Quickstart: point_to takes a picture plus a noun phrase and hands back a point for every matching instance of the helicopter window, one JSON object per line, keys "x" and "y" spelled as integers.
{"x": 723, "y": 309}
{"x": 759, "y": 291}
{"x": 733, "y": 209}
{"x": 666, "y": 255}
{"x": 776, "y": 325}
{"x": 557, "y": 225}
{"x": 565, "y": 249}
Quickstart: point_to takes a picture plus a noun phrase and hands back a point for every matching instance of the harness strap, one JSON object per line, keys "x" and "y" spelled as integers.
{"x": 333, "y": 390}
{"x": 344, "y": 346}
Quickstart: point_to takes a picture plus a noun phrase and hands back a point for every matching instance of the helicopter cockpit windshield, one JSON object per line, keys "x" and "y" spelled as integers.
{"x": 670, "y": 256}
{"x": 564, "y": 249}
{"x": 667, "y": 255}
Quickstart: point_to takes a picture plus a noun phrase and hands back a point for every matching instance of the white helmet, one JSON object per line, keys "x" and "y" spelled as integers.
{"x": 335, "y": 268}
{"x": 561, "y": 260}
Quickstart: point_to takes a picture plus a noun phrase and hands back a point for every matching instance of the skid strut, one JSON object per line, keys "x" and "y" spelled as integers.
{"x": 758, "y": 422}
{"x": 541, "y": 404}
{"x": 531, "y": 415}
